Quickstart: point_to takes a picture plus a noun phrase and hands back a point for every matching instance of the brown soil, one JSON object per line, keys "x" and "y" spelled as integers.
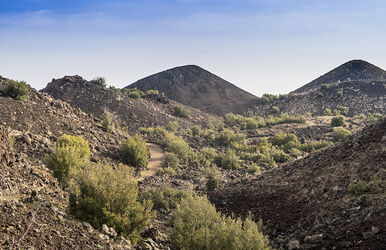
{"x": 156, "y": 161}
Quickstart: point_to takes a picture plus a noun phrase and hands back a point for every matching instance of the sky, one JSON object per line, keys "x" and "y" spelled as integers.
{"x": 262, "y": 46}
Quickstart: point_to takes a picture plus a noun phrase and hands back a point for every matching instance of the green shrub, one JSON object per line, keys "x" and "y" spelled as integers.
{"x": 172, "y": 126}
{"x": 359, "y": 188}
{"x": 133, "y": 93}
{"x": 196, "y": 130}
{"x": 164, "y": 197}
{"x": 207, "y": 156}
{"x": 313, "y": 145}
{"x": 101, "y": 81}
{"x": 279, "y": 155}
{"x": 341, "y": 133}
{"x": 325, "y": 86}
{"x": 181, "y": 111}
{"x": 286, "y": 141}
{"x": 166, "y": 171}
{"x": 339, "y": 94}
{"x": 338, "y": 121}
{"x": 275, "y": 110}
{"x": 328, "y": 112}
{"x": 152, "y": 92}
{"x": 228, "y": 160}
{"x": 134, "y": 152}
{"x": 178, "y": 146}
{"x": 266, "y": 98}
{"x": 197, "y": 225}
{"x": 113, "y": 88}
{"x": 213, "y": 178}
{"x": 227, "y": 137}
{"x": 71, "y": 153}
{"x": 172, "y": 160}
{"x": 106, "y": 195}
{"x": 254, "y": 169}
{"x": 215, "y": 124}
{"x": 17, "y": 90}
{"x": 341, "y": 110}
{"x": 107, "y": 121}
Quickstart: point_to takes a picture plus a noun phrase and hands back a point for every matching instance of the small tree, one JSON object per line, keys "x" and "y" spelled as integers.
{"x": 71, "y": 153}
{"x": 134, "y": 152}
{"x": 106, "y": 195}
{"x": 213, "y": 178}
{"x": 17, "y": 90}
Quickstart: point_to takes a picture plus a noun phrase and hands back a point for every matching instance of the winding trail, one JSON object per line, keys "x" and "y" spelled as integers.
{"x": 156, "y": 161}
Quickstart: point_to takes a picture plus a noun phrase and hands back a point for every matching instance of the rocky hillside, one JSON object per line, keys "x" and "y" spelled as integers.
{"x": 33, "y": 207}
{"x": 361, "y": 97}
{"x": 355, "y": 70}
{"x": 196, "y": 87}
{"x": 93, "y": 99}
{"x": 333, "y": 198}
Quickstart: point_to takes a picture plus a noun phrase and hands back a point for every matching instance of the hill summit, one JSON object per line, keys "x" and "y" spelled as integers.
{"x": 354, "y": 70}
{"x": 196, "y": 87}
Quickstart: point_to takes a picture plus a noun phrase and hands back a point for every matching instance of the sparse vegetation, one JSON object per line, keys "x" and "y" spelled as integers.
{"x": 196, "y": 130}
{"x": 166, "y": 171}
{"x": 106, "y": 195}
{"x": 197, "y": 225}
{"x": 254, "y": 169}
{"x": 171, "y": 160}
{"x": 71, "y": 153}
{"x": 341, "y": 110}
{"x": 228, "y": 160}
{"x": 360, "y": 188}
{"x": 181, "y": 111}
{"x": 134, "y": 152}
{"x": 178, "y": 146}
{"x": 17, "y": 90}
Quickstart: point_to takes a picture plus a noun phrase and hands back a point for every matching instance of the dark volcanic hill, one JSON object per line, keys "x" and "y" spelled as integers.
{"x": 355, "y": 70}
{"x": 94, "y": 99}
{"x": 308, "y": 201}
{"x": 198, "y": 88}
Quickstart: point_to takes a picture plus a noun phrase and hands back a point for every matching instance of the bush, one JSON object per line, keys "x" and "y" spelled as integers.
{"x": 166, "y": 171}
{"x": 152, "y": 92}
{"x": 341, "y": 133}
{"x": 17, "y": 90}
{"x": 286, "y": 141}
{"x": 106, "y": 195}
{"x": 181, "y": 111}
{"x": 313, "y": 145}
{"x": 196, "y": 130}
{"x": 339, "y": 94}
{"x": 325, "y": 86}
{"x": 165, "y": 197}
{"x": 134, "y": 152}
{"x": 71, "y": 153}
{"x": 341, "y": 110}
{"x": 279, "y": 155}
{"x": 197, "y": 225}
{"x": 172, "y": 160}
{"x": 228, "y": 160}
{"x": 207, "y": 156}
{"x": 107, "y": 121}
{"x": 266, "y": 98}
{"x": 133, "y": 93}
{"x": 328, "y": 111}
{"x": 101, "y": 81}
{"x": 178, "y": 146}
{"x": 213, "y": 178}
{"x": 338, "y": 121}
{"x": 359, "y": 188}
{"x": 227, "y": 137}
{"x": 215, "y": 124}
{"x": 172, "y": 126}
{"x": 254, "y": 169}
{"x": 275, "y": 110}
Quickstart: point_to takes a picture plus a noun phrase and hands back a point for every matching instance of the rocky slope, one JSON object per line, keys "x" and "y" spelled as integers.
{"x": 355, "y": 70}
{"x": 196, "y": 87}
{"x": 307, "y": 203}
{"x": 93, "y": 99}
{"x": 361, "y": 97}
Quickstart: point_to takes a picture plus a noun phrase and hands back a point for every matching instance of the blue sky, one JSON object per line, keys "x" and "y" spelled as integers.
{"x": 262, "y": 46}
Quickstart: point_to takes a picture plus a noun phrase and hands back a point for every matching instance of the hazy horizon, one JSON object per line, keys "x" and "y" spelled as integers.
{"x": 260, "y": 46}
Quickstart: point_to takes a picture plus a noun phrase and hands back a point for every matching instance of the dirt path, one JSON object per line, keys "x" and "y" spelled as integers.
{"x": 156, "y": 161}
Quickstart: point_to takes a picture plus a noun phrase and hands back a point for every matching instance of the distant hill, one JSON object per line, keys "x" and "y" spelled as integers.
{"x": 308, "y": 201}
{"x": 354, "y": 70}
{"x": 357, "y": 85}
{"x": 198, "y": 88}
